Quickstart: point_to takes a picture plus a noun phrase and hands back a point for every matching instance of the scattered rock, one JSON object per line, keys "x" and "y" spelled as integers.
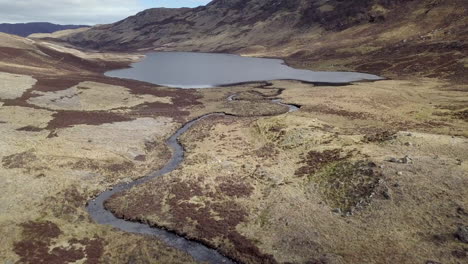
{"x": 400, "y": 173}
{"x": 409, "y": 134}
{"x": 39, "y": 176}
{"x": 337, "y": 210}
{"x": 461, "y": 253}
{"x": 406, "y": 160}
{"x": 409, "y": 144}
{"x": 386, "y": 195}
{"x": 52, "y": 134}
{"x": 432, "y": 262}
{"x": 140, "y": 158}
{"x": 462, "y": 211}
{"x": 380, "y": 137}
{"x": 462, "y": 234}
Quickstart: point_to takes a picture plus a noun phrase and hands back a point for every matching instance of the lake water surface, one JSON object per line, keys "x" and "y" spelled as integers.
{"x": 204, "y": 70}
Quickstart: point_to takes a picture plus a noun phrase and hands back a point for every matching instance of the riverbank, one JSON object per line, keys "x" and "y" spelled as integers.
{"x": 62, "y": 144}
{"x": 377, "y": 165}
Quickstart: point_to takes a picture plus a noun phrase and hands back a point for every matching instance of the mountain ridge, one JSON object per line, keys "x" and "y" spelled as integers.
{"x": 26, "y": 29}
{"x": 336, "y": 35}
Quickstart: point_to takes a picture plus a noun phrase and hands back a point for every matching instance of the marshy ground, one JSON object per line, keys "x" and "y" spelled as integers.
{"x": 338, "y": 180}
{"x": 365, "y": 173}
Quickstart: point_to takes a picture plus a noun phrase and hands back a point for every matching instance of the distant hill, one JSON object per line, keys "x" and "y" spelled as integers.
{"x": 26, "y": 29}
{"x": 377, "y": 36}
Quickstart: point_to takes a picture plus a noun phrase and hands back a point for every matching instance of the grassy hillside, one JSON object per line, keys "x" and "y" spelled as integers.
{"x": 387, "y": 37}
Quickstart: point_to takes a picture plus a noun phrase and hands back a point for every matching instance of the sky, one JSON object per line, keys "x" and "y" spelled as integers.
{"x": 83, "y": 12}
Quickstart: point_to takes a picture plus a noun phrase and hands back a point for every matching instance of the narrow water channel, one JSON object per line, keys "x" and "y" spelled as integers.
{"x": 196, "y": 249}
{"x": 200, "y": 70}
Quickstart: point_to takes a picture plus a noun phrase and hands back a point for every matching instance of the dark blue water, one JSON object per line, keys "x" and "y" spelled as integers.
{"x": 203, "y": 70}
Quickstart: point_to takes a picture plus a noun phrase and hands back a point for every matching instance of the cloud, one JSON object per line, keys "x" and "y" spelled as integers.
{"x": 79, "y": 11}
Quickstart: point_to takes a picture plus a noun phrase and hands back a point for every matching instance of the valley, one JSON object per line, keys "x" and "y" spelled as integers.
{"x": 362, "y": 172}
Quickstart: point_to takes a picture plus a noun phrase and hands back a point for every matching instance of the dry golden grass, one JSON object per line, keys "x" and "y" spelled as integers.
{"x": 402, "y": 212}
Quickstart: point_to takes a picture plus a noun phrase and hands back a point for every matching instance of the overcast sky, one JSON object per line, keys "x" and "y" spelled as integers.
{"x": 87, "y": 12}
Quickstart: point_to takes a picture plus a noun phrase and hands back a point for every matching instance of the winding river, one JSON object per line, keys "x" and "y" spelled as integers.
{"x": 177, "y": 69}
{"x": 196, "y": 249}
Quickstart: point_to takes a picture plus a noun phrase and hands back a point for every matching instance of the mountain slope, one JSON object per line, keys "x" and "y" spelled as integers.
{"x": 26, "y": 29}
{"x": 334, "y": 35}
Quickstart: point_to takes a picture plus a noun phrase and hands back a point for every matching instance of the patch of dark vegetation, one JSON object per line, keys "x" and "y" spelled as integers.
{"x": 30, "y": 129}
{"x": 152, "y": 203}
{"x": 260, "y": 108}
{"x": 323, "y": 109}
{"x": 213, "y": 220}
{"x": 71, "y": 62}
{"x": 315, "y": 161}
{"x": 345, "y": 185}
{"x": 40, "y": 176}
{"x": 322, "y": 260}
{"x": 54, "y": 84}
{"x": 268, "y": 150}
{"x": 151, "y": 145}
{"x": 19, "y": 160}
{"x": 93, "y": 248}
{"x": 202, "y": 129}
{"x": 461, "y": 253}
{"x": 52, "y": 134}
{"x": 65, "y": 119}
{"x": 160, "y": 109}
{"x": 429, "y": 62}
{"x": 345, "y": 14}
{"x": 143, "y": 250}
{"x": 462, "y": 234}
{"x": 65, "y": 204}
{"x": 463, "y": 115}
{"x": 44, "y": 231}
{"x": 140, "y": 158}
{"x": 124, "y": 167}
{"x": 181, "y": 99}
{"x": 209, "y": 226}
{"x": 105, "y": 167}
{"x": 37, "y": 246}
{"x": 380, "y": 136}
{"x": 249, "y": 96}
{"x": 234, "y": 188}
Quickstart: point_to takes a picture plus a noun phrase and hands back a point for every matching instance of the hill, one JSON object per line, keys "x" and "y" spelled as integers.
{"x": 26, "y": 29}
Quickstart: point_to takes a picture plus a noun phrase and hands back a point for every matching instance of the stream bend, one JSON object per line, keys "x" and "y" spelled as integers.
{"x": 197, "y": 250}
